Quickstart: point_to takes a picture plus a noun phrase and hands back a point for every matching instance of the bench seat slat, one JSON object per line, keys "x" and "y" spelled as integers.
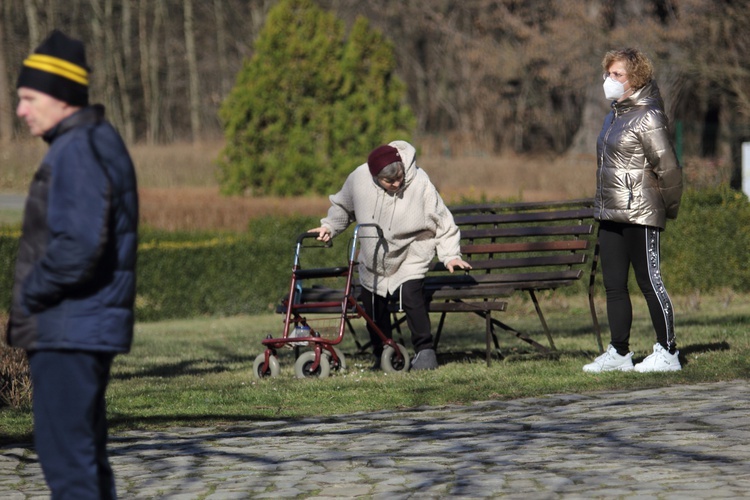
{"x": 465, "y": 280}
{"x": 469, "y": 293}
{"x": 499, "y": 291}
{"x": 438, "y": 306}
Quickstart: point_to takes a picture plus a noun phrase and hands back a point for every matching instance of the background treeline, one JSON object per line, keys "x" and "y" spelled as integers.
{"x": 483, "y": 76}
{"x": 183, "y": 275}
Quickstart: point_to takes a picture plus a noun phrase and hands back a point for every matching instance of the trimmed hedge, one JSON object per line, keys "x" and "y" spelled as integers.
{"x": 188, "y": 274}
{"x": 191, "y": 274}
{"x": 183, "y": 275}
{"x": 707, "y": 247}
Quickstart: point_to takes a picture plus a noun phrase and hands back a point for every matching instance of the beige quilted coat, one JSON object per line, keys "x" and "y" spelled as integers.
{"x": 416, "y": 224}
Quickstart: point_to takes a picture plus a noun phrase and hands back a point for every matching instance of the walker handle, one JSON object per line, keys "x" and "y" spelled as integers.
{"x": 313, "y": 234}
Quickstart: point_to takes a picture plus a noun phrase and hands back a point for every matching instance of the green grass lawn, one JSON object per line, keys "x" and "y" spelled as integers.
{"x": 199, "y": 372}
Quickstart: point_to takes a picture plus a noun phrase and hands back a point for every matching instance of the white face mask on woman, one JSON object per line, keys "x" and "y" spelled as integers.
{"x": 613, "y": 89}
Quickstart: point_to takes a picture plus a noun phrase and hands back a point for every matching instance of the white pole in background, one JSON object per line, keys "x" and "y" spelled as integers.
{"x": 746, "y": 168}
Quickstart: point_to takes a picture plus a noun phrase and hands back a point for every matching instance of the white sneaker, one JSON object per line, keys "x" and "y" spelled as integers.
{"x": 659, "y": 361}
{"x": 610, "y": 361}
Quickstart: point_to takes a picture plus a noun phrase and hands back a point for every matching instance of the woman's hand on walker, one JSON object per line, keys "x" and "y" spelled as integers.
{"x": 324, "y": 234}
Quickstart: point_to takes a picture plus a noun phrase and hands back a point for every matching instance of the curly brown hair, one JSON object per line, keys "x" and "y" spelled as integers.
{"x": 639, "y": 67}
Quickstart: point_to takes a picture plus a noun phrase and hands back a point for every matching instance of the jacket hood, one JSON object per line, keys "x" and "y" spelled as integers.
{"x": 408, "y": 155}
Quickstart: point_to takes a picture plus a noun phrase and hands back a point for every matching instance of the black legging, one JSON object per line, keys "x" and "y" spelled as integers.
{"x": 621, "y": 246}
{"x": 417, "y": 315}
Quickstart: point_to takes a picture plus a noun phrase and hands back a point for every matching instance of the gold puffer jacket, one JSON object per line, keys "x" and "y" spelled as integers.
{"x": 638, "y": 177}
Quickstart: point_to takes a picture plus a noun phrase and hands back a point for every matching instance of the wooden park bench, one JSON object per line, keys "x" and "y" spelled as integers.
{"x": 515, "y": 247}
{"x": 524, "y": 247}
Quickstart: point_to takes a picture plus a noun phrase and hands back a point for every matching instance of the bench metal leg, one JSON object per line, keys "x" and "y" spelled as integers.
{"x": 520, "y": 335}
{"x": 360, "y": 348}
{"x": 488, "y": 334}
{"x": 543, "y": 321}
{"x": 490, "y": 323}
{"x": 439, "y": 330}
{"x": 595, "y": 320}
{"x": 396, "y": 323}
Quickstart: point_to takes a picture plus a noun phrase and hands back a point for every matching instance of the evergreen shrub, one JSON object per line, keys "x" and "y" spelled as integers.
{"x": 310, "y": 104}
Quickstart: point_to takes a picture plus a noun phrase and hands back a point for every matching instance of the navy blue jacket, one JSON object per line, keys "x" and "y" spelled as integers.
{"x": 74, "y": 282}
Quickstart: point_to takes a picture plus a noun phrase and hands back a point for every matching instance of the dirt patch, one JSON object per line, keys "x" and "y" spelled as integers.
{"x": 204, "y": 208}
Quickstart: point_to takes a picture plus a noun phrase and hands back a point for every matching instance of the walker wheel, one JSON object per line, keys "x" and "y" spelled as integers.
{"x": 339, "y": 366}
{"x": 303, "y": 366}
{"x": 391, "y": 363}
{"x": 272, "y": 370}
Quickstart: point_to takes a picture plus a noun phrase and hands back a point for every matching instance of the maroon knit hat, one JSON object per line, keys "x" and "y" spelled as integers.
{"x": 381, "y": 157}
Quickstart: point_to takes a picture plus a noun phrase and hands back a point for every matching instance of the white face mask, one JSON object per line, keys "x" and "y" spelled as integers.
{"x": 613, "y": 89}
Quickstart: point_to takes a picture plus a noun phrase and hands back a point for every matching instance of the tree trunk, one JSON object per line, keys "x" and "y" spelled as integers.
{"x": 143, "y": 47}
{"x": 225, "y": 83}
{"x": 148, "y": 41}
{"x": 156, "y": 112}
{"x": 32, "y": 21}
{"x": 122, "y": 64}
{"x": 6, "y": 103}
{"x": 193, "y": 80}
{"x": 104, "y": 55}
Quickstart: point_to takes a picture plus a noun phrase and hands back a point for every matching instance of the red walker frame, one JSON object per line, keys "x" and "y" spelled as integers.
{"x": 324, "y": 356}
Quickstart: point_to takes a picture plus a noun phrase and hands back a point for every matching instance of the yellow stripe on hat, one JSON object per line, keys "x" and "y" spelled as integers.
{"x": 57, "y": 66}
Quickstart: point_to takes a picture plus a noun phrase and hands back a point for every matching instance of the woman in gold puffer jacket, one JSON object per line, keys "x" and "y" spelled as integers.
{"x": 639, "y": 186}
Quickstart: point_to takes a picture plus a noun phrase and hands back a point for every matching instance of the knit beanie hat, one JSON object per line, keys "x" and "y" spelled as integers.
{"x": 58, "y": 68}
{"x": 381, "y": 157}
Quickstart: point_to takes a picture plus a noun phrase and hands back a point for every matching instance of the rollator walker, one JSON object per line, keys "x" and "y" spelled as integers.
{"x": 306, "y": 324}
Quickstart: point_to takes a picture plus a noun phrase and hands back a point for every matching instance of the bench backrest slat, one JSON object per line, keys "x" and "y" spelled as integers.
{"x": 550, "y": 260}
{"x": 469, "y": 233}
{"x": 524, "y": 246}
{"x": 518, "y": 217}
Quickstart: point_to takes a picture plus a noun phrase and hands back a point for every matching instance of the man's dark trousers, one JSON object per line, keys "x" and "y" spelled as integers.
{"x": 70, "y": 422}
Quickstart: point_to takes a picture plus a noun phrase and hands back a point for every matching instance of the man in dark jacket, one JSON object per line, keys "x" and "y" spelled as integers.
{"x": 74, "y": 286}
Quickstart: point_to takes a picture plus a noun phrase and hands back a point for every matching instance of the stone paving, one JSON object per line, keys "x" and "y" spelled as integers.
{"x": 675, "y": 442}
